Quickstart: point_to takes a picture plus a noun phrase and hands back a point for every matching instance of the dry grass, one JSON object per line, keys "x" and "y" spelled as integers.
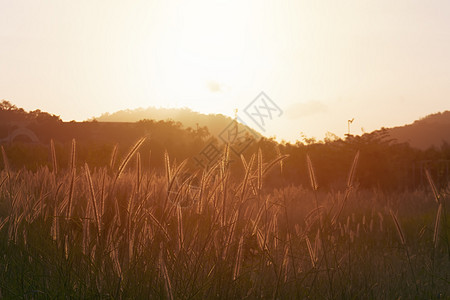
{"x": 131, "y": 233}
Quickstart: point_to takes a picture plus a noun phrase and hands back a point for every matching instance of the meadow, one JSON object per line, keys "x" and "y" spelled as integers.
{"x": 122, "y": 231}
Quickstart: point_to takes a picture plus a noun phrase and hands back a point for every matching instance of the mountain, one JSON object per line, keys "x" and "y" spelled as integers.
{"x": 424, "y": 133}
{"x": 25, "y": 138}
{"x": 216, "y": 123}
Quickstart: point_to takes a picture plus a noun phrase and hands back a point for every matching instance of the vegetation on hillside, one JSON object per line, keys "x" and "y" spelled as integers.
{"x": 384, "y": 162}
{"x": 190, "y": 119}
{"x": 430, "y": 131}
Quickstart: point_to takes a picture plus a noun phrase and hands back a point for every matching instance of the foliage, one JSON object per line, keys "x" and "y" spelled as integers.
{"x": 384, "y": 162}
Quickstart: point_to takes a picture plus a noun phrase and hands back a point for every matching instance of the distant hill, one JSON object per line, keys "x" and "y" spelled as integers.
{"x": 95, "y": 140}
{"x": 25, "y": 138}
{"x": 429, "y": 131}
{"x": 424, "y": 133}
{"x": 216, "y": 123}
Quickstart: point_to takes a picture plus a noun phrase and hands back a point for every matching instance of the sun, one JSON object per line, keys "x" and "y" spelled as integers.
{"x": 202, "y": 52}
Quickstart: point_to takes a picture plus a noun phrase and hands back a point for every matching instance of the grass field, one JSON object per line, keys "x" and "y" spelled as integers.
{"x": 122, "y": 232}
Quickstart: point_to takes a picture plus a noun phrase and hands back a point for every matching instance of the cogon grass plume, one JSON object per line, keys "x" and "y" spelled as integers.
{"x": 159, "y": 225}
{"x": 440, "y": 211}
{"x": 92, "y": 194}
{"x": 180, "y": 227}
{"x": 72, "y": 156}
{"x": 167, "y": 168}
{"x": 260, "y": 170}
{"x": 248, "y": 167}
{"x": 403, "y": 242}
{"x": 5, "y": 162}
{"x": 271, "y": 164}
{"x": 311, "y": 173}
{"x": 3, "y": 181}
{"x": 437, "y": 226}
{"x": 433, "y": 186}
{"x": 350, "y": 179}
{"x": 277, "y": 149}
{"x": 351, "y": 175}
{"x": 72, "y": 180}
{"x": 320, "y": 232}
{"x": 128, "y": 157}
{"x": 440, "y": 203}
{"x": 54, "y": 162}
{"x": 112, "y": 160}
{"x": 237, "y": 265}
{"x": 138, "y": 172}
{"x": 311, "y": 252}
{"x": 171, "y": 174}
{"x": 400, "y": 233}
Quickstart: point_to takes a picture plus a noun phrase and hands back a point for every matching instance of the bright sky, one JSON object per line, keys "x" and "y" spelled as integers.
{"x": 384, "y": 63}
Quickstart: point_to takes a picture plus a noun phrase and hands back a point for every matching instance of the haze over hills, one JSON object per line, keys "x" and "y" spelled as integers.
{"x": 431, "y": 130}
{"x": 26, "y": 136}
{"x": 216, "y": 123}
{"x": 426, "y": 132}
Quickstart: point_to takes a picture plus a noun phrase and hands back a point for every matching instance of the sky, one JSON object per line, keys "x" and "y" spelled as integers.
{"x": 383, "y": 63}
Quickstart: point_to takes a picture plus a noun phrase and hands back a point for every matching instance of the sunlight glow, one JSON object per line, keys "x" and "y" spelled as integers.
{"x": 322, "y": 62}
{"x": 201, "y": 55}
